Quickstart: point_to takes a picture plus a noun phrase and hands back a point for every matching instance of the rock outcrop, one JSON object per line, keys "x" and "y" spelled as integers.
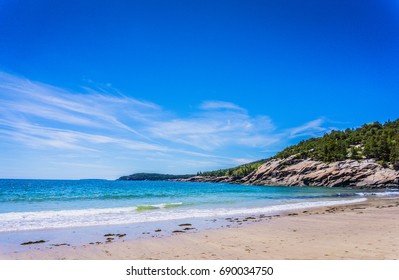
{"x": 300, "y": 172}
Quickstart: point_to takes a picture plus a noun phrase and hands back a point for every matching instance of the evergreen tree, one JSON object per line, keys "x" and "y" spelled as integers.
{"x": 372, "y": 141}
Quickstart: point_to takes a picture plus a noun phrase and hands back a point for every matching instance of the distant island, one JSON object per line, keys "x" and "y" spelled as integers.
{"x": 153, "y": 177}
{"x": 366, "y": 157}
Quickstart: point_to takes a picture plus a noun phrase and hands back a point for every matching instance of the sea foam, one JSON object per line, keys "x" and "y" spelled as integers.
{"x": 17, "y": 221}
{"x": 394, "y": 193}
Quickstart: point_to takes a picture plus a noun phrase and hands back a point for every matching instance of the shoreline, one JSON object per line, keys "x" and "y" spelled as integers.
{"x": 365, "y": 230}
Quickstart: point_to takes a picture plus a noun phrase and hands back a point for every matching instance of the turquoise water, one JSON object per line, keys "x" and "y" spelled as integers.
{"x": 41, "y": 204}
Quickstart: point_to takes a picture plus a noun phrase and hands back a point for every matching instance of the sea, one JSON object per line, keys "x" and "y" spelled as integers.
{"x": 85, "y": 212}
{"x": 28, "y": 205}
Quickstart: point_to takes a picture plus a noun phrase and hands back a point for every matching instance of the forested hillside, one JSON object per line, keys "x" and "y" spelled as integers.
{"x": 376, "y": 141}
{"x": 239, "y": 171}
{"x": 370, "y": 141}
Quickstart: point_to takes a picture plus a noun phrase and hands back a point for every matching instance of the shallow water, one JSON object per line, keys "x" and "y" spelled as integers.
{"x": 51, "y": 204}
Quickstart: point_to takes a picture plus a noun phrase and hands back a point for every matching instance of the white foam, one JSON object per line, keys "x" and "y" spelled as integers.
{"x": 378, "y": 194}
{"x": 129, "y": 215}
{"x": 160, "y": 206}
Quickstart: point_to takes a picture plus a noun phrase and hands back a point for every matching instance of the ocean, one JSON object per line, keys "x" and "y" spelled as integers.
{"x": 55, "y": 204}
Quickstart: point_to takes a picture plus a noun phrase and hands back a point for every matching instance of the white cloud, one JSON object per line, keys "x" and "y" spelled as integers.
{"x": 313, "y": 128}
{"x": 44, "y": 137}
{"x": 105, "y": 122}
{"x": 217, "y": 105}
{"x": 216, "y": 124}
{"x": 218, "y": 128}
{"x": 24, "y": 97}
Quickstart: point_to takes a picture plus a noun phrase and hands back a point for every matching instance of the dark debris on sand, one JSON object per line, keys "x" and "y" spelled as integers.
{"x": 33, "y": 242}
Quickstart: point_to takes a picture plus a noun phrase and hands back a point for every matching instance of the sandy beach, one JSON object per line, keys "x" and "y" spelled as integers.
{"x": 367, "y": 230}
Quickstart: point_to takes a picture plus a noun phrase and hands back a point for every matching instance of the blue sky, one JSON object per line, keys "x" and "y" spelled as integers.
{"x": 100, "y": 89}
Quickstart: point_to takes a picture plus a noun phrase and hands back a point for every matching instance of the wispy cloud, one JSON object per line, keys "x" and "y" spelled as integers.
{"x": 218, "y": 105}
{"x": 225, "y": 125}
{"x": 39, "y": 116}
{"x": 313, "y": 128}
{"x": 26, "y": 98}
{"x": 45, "y": 137}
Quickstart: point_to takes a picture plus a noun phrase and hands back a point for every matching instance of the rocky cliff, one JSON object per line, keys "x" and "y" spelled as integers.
{"x": 307, "y": 172}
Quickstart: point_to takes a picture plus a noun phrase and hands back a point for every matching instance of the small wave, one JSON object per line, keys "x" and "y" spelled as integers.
{"x": 146, "y": 207}
{"x": 312, "y": 196}
{"x": 158, "y": 206}
{"x": 129, "y": 215}
{"x": 79, "y": 198}
{"x": 395, "y": 193}
{"x": 336, "y": 195}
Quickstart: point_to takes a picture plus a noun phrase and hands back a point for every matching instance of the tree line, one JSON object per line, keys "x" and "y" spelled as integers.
{"x": 370, "y": 141}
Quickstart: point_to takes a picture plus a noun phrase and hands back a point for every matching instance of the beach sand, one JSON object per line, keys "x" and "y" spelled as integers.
{"x": 367, "y": 230}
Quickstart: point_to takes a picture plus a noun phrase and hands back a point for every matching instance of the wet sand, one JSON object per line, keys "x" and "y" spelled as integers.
{"x": 366, "y": 230}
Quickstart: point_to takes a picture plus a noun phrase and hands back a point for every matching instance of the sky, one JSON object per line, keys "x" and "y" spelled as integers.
{"x": 101, "y": 89}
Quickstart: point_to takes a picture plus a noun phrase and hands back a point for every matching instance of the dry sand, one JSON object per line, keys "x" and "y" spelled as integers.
{"x": 368, "y": 230}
